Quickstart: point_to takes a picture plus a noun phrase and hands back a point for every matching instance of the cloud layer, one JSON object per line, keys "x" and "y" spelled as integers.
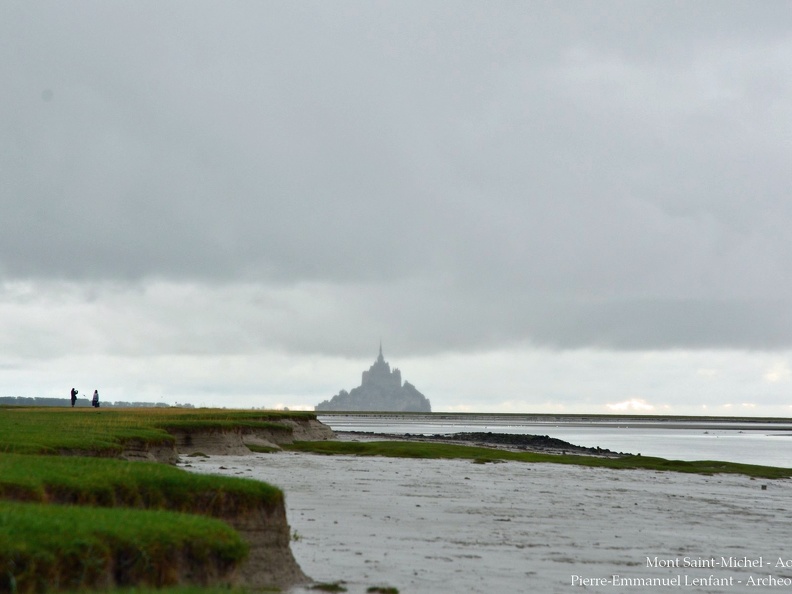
{"x": 195, "y": 178}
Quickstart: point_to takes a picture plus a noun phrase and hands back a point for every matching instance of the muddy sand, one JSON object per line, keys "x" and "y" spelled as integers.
{"x": 436, "y": 526}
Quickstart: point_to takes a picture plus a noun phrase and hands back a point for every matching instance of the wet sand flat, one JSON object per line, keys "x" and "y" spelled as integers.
{"x": 455, "y": 526}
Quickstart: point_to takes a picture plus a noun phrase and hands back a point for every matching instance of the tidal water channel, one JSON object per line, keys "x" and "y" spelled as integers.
{"x": 748, "y": 441}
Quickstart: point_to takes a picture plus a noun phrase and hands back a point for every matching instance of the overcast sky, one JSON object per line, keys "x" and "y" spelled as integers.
{"x": 536, "y": 206}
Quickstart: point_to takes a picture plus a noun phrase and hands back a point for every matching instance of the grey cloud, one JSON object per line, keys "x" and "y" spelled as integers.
{"x": 610, "y": 174}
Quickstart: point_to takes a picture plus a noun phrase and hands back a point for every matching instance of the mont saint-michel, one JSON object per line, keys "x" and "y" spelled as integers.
{"x": 380, "y": 390}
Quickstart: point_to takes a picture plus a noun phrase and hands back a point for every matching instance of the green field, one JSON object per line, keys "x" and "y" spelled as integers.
{"x": 106, "y": 482}
{"x": 69, "y": 522}
{"x": 52, "y": 547}
{"x": 104, "y": 432}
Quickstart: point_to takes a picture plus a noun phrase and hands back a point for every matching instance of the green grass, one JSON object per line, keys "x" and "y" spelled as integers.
{"x": 74, "y": 522}
{"x": 407, "y": 449}
{"x": 105, "y": 518}
{"x": 110, "y": 482}
{"x": 48, "y": 547}
{"x": 47, "y": 430}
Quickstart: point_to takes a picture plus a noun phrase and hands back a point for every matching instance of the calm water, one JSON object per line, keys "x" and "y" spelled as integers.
{"x": 733, "y": 441}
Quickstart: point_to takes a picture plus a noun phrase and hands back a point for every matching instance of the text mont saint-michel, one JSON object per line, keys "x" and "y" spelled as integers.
{"x": 713, "y": 562}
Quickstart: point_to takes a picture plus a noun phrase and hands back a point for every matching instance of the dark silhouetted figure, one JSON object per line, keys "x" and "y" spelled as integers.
{"x": 73, "y": 396}
{"x": 95, "y": 399}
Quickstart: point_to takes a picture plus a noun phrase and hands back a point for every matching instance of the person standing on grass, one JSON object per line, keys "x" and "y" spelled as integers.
{"x": 73, "y": 396}
{"x": 95, "y": 399}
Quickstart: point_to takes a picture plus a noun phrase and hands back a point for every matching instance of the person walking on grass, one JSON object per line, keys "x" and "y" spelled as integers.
{"x": 95, "y": 399}
{"x": 73, "y": 397}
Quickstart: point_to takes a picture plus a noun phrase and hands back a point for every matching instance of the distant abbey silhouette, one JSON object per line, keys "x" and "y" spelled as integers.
{"x": 381, "y": 390}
